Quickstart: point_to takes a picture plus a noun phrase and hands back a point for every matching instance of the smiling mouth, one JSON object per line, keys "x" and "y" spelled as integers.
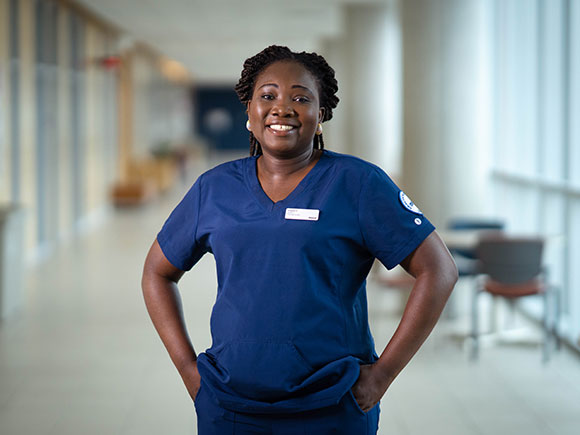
{"x": 280, "y": 127}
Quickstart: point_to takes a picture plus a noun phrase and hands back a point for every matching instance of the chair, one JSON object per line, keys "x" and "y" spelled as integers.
{"x": 466, "y": 258}
{"x": 511, "y": 268}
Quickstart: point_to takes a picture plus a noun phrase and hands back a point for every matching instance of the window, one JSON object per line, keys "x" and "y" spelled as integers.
{"x": 15, "y": 100}
{"x": 537, "y": 156}
{"x": 77, "y": 121}
{"x": 573, "y": 92}
{"x": 47, "y": 120}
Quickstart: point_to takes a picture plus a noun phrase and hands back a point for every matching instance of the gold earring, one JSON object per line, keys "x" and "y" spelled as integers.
{"x": 319, "y": 129}
{"x": 248, "y": 126}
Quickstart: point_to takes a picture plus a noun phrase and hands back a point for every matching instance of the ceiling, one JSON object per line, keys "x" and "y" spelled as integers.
{"x": 212, "y": 38}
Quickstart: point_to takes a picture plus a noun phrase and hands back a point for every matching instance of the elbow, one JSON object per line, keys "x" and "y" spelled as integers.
{"x": 450, "y": 275}
{"x": 441, "y": 277}
{"x": 144, "y": 282}
{"x": 452, "y": 271}
{"x": 147, "y": 275}
{"x": 444, "y": 276}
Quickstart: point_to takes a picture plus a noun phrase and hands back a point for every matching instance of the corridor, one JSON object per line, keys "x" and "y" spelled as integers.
{"x": 83, "y": 358}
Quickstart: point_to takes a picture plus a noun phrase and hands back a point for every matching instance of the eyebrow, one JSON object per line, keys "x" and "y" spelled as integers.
{"x": 293, "y": 86}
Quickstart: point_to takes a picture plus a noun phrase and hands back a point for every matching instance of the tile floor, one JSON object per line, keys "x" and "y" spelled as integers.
{"x": 83, "y": 358}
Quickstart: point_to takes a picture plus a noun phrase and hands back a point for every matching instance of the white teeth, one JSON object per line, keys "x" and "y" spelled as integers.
{"x": 279, "y": 127}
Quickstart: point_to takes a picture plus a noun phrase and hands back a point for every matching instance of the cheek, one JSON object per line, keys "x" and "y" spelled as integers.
{"x": 313, "y": 116}
{"x": 258, "y": 111}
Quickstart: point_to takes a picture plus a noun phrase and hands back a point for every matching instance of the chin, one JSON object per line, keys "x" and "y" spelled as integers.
{"x": 286, "y": 149}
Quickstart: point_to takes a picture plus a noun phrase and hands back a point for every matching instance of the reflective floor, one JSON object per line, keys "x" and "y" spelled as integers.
{"x": 83, "y": 357}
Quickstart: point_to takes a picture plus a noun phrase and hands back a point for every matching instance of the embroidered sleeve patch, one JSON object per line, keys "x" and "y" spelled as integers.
{"x": 408, "y": 204}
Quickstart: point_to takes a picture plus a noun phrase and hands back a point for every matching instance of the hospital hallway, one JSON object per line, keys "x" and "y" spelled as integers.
{"x": 83, "y": 357}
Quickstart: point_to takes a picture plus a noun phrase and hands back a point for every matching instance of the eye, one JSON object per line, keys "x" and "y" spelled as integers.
{"x": 267, "y": 97}
{"x": 302, "y": 99}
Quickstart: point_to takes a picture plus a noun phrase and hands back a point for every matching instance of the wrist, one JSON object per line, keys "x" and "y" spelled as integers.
{"x": 384, "y": 373}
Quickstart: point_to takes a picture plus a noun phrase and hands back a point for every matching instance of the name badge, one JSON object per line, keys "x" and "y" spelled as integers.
{"x": 302, "y": 214}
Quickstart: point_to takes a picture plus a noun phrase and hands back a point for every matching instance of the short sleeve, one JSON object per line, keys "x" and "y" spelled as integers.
{"x": 177, "y": 238}
{"x": 391, "y": 225}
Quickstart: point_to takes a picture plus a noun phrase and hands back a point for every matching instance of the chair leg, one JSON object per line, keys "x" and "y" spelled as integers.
{"x": 474, "y": 326}
{"x": 511, "y": 323}
{"x": 556, "y": 320}
{"x": 493, "y": 314}
{"x": 547, "y": 329}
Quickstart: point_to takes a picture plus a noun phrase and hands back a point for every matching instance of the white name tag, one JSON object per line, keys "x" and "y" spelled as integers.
{"x": 302, "y": 214}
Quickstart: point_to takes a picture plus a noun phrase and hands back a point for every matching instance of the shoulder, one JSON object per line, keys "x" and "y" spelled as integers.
{"x": 353, "y": 166}
{"x": 367, "y": 181}
{"x": 233, "y": 168}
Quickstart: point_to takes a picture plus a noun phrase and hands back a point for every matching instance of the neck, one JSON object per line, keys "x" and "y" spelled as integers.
{"x": 277, "y": 166}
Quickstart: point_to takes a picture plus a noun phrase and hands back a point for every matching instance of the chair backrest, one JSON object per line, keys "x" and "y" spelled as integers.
{"x": 473, "y": 224}
{"x": 458, "y": 224}
{"x": 510, "y": 260}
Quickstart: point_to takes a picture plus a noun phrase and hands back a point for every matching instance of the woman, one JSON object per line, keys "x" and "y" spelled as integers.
{"x": 294, "y": 230}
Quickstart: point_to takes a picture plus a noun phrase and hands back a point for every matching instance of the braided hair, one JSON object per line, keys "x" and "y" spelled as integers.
{"x": 314, "y": 63}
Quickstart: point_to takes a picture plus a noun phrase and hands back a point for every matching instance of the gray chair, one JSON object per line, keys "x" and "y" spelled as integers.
{"x": 511, "y": 268}
{"x": 466, "y": 258}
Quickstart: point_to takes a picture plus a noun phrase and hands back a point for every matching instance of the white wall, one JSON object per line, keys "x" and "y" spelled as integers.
{"x": 415, "y": 90}
{"x": 367, "y": 122}
{"x": 446, "y": 94}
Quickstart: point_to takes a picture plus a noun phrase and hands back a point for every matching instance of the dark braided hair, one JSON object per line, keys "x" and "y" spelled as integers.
{"x": 314, "y": 63}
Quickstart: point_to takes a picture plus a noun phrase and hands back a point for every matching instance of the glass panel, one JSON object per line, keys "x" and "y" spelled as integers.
{"x": 524, "y": 80}
{"x": 517, "y": 84}
{"x": 15, "y": 100}
{"x": 537, "y": 103}
{"x": 77, "y": 122}
{"x": 518, "y": 205}
{"x": 52, "y": 120}
{"x": 574, "y": 94}
{"x": 47, "y": 120}
{"x": 40, "y": 51}
{"x": 110, "y": 118}
{"x": 505, "y": 154}
{"x": 552, "y": 89}
{"x": 572, "y": 300}
{"x": 509, "y": 206}
{"x": 553, "y": 220}
{"x": 527, "y": 213}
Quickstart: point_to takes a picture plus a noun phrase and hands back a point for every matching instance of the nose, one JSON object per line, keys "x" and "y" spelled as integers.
{"x": 283, "y": 108}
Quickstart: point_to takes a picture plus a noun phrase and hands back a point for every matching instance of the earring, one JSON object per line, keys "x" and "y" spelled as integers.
{"x": 248, "y": 126}
{"x": 319, "y": 129}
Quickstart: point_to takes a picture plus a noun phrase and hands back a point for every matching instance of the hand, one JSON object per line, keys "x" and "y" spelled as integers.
{"x": 191, "y": 379}
{"x": 370, "y": 386}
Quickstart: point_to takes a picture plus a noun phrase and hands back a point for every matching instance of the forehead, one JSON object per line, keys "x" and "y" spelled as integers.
{"x": 287, "y": 72}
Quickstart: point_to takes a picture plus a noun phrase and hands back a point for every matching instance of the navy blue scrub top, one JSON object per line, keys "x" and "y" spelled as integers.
{"x": 290, "y": 324}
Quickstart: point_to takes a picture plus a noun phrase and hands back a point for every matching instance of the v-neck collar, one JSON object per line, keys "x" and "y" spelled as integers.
{"x": 263, "y": 199}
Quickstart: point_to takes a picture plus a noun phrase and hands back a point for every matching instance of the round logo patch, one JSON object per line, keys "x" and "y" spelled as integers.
{"x": 408, "y": 204}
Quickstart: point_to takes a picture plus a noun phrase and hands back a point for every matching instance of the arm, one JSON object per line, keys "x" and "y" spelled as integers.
{"x": 159, "y": 284}
{"x": 436, "y": 275}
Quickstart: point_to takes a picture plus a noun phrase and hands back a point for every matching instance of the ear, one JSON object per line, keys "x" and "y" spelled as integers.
{"x": 248, "y": 108}
{"x": 321, "y": 114}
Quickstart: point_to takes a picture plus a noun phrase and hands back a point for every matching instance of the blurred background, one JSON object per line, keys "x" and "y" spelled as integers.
{"x": 110, "y": 109}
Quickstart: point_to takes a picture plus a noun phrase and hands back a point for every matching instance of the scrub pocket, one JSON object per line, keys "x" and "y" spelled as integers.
{"x": 354, "y": 402}
{"x": 262, "y": 370}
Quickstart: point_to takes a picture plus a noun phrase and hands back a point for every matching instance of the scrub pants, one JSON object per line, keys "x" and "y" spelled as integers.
{"x": 345, "y": 418}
